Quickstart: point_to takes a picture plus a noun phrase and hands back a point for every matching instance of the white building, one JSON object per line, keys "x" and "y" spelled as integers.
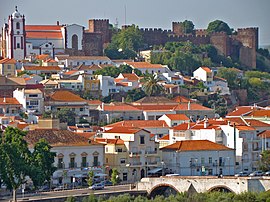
{"x": 107, "y": 85}
{"x": 174, "y": 119}
{"x": 32, "y": 100}
{"x": 198, "y": 157}
{"x": 75, "y": 155}
{"x": 148, "y": 67}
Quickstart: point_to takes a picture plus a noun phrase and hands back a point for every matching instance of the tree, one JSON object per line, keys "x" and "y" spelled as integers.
{"x": 90, "y": 179}
{"x": 114, "y": 177}
{"x": 43, "y": 160}
{"x": 134, "y": 95}
{"x": 151, "y": 85}
{"x": 265, "y": 160}
{"x": 219, "y": 26}
{"x": 187, "y": 26}
{"x": 231, "y": 75}
{"x": 66, "y": 116}
{"x": 15, "y": 159}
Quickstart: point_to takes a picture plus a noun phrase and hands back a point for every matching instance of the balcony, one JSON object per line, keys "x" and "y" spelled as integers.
{"x": 61, "y": 165}
{"x": 72, "y": 165}
{"x": 95, "y": 164}
{"x": 135, "y": 164}
{"x": 135, "y": 154}
{"x": 151, "y": 153}
{"x": 84, "y": 165}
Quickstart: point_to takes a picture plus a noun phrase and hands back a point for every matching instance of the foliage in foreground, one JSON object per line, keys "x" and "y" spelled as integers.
{"x": 185, "y": 197}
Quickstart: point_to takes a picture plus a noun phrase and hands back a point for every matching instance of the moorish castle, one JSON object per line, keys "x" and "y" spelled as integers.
{"x": 19, "y": 40}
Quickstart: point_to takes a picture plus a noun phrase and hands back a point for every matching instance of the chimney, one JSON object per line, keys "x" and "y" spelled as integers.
{"x": 206, "y": 123}
{"x": 4, "y": 99}
{"x": 102, "y": 106}
{"x": 57, "y": 23}
{"x": 188, "y": 125}
{"x": 123, "y": 100}
{"x": 188, "y": 106}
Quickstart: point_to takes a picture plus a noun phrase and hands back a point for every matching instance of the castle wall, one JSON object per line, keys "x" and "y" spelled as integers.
{"x": 101, "y": 26}
{"x": 221, "y": 41}
{"x": 92, "y": 44}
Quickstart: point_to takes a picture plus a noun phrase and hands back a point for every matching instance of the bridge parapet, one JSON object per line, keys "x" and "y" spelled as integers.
{"x": 206, "y": 183}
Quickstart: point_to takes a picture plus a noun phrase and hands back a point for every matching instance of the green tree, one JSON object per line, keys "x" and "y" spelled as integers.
{"x": 47, "y": 114}
{"x": 15, "y": 159}
{"x": 187, "y": 26}
{"x": 114, "y": 177}
{"x": 151, "y": 85}
{"x": 66, "y": 116}
{"x": 90, "y": 179}
{"x": 219, "y": 26}
{"x": 42, "y": 160}
{"x": 231, "y": 75}
{"x": 71, "y": 199}
{"x": 265, "y": 160}
{"x": 134, "y": 95}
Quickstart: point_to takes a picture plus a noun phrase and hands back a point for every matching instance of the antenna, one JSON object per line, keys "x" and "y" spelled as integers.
{"x": 125, "y": 15}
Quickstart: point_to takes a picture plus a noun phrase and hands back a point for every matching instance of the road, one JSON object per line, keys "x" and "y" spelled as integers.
{"x": 64, "y": 193}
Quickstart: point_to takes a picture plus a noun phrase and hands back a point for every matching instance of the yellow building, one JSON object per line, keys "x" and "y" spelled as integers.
{"x": 7, "y": 67}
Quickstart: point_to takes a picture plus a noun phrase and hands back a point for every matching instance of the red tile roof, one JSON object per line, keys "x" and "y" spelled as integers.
{"x": 94, "y": 102}
{"x": 8, "y": 61}
{"x": 66, "y": 96}
{"x": 120, "y": 107}
{"x": 9, "y": 101}
{"x": 42, "y": 57}
{"x": 42, "y": 28}
{"x": 193, "y": 106}
{"x": 195, "y": 145}
{"x": 110, "y": 141}
{"x": 264, "y": 134}
{"x": 240, "y": 111}
{"x": 144, "y": 65}
{"x": 43, "y": 35}
{"x": 245, "y": 128}
{"x": 124, "y": 130}
{"x": 87, "y": 135}
{"x": 131, "y": 77}
{"x": 181, "y": 99}
{"x": 140, "y": 124}
{"x": 183, "y": 126}
{"x": 207, "y": 69}
{"x": 156, "y": 107}
{"x": 42, "y": 68}
{"x": 256, "y": 123}
{"x": 260, "y": 113}
{"x": 177, "y": 116}
{"x": 165, "y": 137}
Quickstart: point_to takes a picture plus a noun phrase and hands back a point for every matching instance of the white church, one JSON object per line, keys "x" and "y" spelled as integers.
{"x": 19, "y": 40}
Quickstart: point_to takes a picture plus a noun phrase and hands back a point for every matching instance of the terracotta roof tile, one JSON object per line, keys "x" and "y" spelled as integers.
{"x": 44, "y": 34}
{"x": 165, "y": 137}
{"x": 140, "y": 65}
{"x": 64, "y": 96}
{"x": 177, "y": 116}
{"x": 140, "y": 124}
{"x": 193, "y": 106}
{"x": 55, "y": 137}
{"x": 151, "y": 100}
{"x": 207, "y": 69}
{"x": 159, "y": 107}
{"x": 94, "y": 102}
{"x": 260, "y": 113}
{"x": 256, "y": 123}
{"x": 83, "y": 58}
{"x": 264, "y": 134}
{"x": 181, "y": 99}
{"x": 241, "y": 110}
{"x": 110, "y": 141}
{"x": 43, "y": 68}
{"x": 9, "y": 101}
{"x": 131, "y": 77}
{"x": 87, "y": 135}
{"x": 124, "y": 130}
{"x": 245, "y": 128}
{"x": 8, "y": 61}
{"x": 183, "y": 126}
{"x": 121, "y": 107}
{"x": 42, "y": 27}
{"x": 42, "y": 57}
{"x": 195, "y": 145}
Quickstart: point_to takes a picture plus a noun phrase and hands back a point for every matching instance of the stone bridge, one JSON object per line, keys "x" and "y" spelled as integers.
{"x": 193, "y": 184}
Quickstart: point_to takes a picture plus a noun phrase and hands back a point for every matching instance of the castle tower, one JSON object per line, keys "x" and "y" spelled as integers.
{"x": 16, "y": 36}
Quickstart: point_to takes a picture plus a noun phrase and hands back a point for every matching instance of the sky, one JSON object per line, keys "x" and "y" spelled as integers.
{"x": 145, "y": 13}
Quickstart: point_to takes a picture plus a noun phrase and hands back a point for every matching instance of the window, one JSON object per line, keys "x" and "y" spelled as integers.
{"x": 141, "y": 139}
{"x": 33, "y": 95}
{"x": 139, "y": 118}
{"x": 210, "y": 171}
{"x": 117, "y": 137}
{"x": 9, "y": 67}
{"x": 107, "y": 149}
{"x": 95, "y": 163}
{"x": 17, "y": 25}
{"x": 122, "y": 161}
{"x": 202, "y": 161}
{"x": 119, "y": 150}
{"x": 81, "y": 109}
{"x": 107, "y": 160}
{"x": 60, "y": 163}
{"x": 18, "y": 45}
{"x": 72, "y": 162}
{"x": 84, "y": 161}
{"x": 210, "y": 160}
{"x": 220, "y": 161}
{"x": 125, "y": 176}
{"x": 33, "y": 102}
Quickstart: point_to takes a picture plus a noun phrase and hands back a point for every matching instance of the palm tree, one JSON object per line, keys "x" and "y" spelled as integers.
{"x": 151, "y": 85}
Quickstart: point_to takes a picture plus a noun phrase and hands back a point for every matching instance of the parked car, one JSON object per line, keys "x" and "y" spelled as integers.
{"x": 267, "y": 173}
{"x": 107, "y": 183}
{"x": 241, "y": 174}
{"x": 256, "y": 173}
{"x": 97, "y": 186}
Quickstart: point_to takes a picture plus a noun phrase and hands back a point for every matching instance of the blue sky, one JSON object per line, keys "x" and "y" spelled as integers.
{"x": 146, "y": 13}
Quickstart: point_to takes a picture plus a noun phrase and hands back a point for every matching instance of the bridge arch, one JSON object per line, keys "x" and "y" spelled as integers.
{"x": 220, "y": 188}
{"x": 163, "y": 189}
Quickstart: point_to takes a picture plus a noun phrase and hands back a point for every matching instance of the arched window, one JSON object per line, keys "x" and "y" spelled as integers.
{"x": 74, "y": 43}
{"x": 17, "y": 25}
